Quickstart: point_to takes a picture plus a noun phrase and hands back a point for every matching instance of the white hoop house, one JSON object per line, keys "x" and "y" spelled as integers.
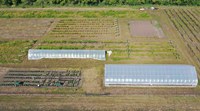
{"x": 150, "y": 75}
{"x": 34, "y": 54}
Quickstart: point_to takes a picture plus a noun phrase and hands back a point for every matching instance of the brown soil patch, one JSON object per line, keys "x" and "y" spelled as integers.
{"x": 24, "y": 28}
{"x": 146, "y": 29}
{"x": 91, "y": 81}
{"x": 2, "y": 72}
{"x": 152, "y": 91}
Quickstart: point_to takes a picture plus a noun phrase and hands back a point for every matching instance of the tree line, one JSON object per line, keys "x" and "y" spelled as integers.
{"x": 96, "y": 2}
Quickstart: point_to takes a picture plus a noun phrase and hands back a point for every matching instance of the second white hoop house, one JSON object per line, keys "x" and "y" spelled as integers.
{"x": 150, "y": 75}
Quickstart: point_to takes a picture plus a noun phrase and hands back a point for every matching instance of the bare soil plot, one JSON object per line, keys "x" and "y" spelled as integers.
{"x": 145, "y": 29}
{"x": 91, "y": 81}
{"x": 24, "y": 28}
{"x": 152, "y": 91}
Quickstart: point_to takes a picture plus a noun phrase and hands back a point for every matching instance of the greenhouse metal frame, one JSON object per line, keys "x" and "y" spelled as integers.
{"x": 35, "y": 54}
{"x": 130, "y": 75}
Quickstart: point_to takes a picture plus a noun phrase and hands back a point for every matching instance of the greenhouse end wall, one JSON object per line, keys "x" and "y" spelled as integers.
{"x": 130, "y": 75}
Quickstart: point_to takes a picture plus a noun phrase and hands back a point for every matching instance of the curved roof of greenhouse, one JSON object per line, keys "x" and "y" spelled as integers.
{"x": 35, "y": 54}
{"x": 150, "y": 75}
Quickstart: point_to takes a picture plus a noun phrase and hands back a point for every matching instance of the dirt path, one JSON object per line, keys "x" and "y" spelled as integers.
{"x": 2, "y": 72}
{"x": 91, "y": 81}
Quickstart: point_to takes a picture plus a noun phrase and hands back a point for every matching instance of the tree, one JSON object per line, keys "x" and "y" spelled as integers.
{"x": 40, "y": 3}
{"x": 131, "y": 2}
{"x": 178, "y": 2}
{"x": 14, "y": 2}
{"x": 7, "y": 2}
{"x": 1, "y": 2}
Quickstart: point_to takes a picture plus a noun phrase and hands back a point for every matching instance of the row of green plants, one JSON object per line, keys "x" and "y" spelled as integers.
{"x": 84, "y": 28}
{"x": 183, "y": 23}
{"x": 33, "y": 78}
{"x": 154, "y": 49}
{"x": 192, "y": 15}
{"x": 147, "y": 49}
{"x": 188, "y": 23}
{"x": 183, "y": 26}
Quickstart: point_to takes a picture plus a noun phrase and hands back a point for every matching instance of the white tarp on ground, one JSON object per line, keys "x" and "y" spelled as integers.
{"x": 35, "y": 54}
{"x": 150, "y": 75}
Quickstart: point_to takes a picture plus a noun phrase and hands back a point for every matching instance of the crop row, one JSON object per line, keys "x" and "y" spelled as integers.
{"x": 68, "y": 78}
{"x": 85, "y": 28}
{"x": 187, "y": 24}
{"x": 119, "y": 49}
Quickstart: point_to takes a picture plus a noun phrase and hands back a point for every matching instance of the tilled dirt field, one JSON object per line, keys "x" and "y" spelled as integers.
{"x": 153, "y": 91}
{"x": 145, "y": 29}
{"x": 24, "y": 28}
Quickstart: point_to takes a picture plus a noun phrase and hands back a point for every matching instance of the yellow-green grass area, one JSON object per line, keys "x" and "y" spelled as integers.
{"x": 14, "y": 51}
{"x": 160, "y": 51}
{"x": 99, "y": 103}
{"x": 73, "y": 14}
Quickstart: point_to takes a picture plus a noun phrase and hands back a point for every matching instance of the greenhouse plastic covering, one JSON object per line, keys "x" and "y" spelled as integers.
{"x": 34, "y": 54}
{"x": 150, "y": 75}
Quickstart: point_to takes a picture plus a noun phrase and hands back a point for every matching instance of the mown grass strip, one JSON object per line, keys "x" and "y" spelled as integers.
{"x": 72, "y": 14}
